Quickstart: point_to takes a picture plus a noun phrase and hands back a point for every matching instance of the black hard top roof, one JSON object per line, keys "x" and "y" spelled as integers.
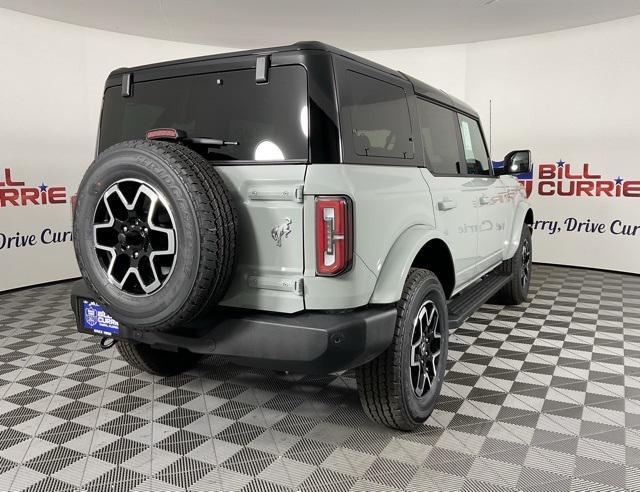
{"x": 420, "y": 87}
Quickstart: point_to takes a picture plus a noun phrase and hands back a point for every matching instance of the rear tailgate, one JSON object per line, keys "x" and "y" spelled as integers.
{"x": 265, "y": 127}
{"x": 271, "y": 249}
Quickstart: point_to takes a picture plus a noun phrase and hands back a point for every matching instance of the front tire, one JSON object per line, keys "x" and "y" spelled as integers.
{"x": 519, "y": 267}
{"x": 155, "y": 361}
{"x": 400, "y": 388}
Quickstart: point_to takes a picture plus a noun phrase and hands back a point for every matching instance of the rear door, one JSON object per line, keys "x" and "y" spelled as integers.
{"x": 454, "y": 193}
{"x": 264, "y": 172}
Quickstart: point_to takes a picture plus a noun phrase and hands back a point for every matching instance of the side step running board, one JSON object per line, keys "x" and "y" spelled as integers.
{"x": 466, "y": 303}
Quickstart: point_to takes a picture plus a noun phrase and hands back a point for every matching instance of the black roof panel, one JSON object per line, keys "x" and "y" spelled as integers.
{"x": 299, "y": 46}
{"x": 420, "y": 87}
{"x": 435, "y": 94}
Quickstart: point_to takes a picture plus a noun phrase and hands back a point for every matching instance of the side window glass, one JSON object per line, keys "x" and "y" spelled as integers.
{"x": 380, "y": 119}
{"x": 439, "y": 137}
{"x": 475, "y": 152}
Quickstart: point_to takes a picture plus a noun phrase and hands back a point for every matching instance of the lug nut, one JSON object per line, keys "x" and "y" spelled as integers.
{"x": 146, "y": 229}
{"x": 125, "y": 229}
{"x": 135, "y": 255}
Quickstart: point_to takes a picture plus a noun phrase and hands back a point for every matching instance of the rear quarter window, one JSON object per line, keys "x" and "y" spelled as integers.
{"x": 378, "y": 117}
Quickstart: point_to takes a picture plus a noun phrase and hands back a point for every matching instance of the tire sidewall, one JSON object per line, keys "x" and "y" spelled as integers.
{"x": 419, "y": 408}
{"x": 135, "y": 163}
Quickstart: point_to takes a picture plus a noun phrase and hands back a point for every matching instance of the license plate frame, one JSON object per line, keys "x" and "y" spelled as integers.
{"x": 94, "y": 319}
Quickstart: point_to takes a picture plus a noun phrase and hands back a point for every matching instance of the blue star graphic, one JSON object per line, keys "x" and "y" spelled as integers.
{"x": 619, "y": 180}
{"x": 43, "y": 187}
{"x": 560, "y": 163}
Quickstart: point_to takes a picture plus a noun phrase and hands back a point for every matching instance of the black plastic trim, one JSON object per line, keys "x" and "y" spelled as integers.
{"x": 127, "y": 81}
{"x": 466, "y": 303}
{"x": 309, "y": 342}
{"x": 262, "y": 69}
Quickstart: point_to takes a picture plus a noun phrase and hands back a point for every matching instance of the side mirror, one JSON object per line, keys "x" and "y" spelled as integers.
{"x": 516, "y": 162}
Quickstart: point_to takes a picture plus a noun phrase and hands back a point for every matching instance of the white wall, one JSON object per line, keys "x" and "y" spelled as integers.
{"x": 444, "y": 67}
{"x": 568, "y": 95}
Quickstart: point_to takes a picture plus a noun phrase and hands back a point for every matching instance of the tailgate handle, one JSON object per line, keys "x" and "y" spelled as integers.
{"x": 294, "y": 285}
{"x": 278, "y": 195}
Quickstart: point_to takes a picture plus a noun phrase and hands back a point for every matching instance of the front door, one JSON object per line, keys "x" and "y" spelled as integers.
{"x": 493, "y": 210}
{"x": 493, "y": 197}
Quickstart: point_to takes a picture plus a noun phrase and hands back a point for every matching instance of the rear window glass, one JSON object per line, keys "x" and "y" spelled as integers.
{"x": 269, "y": 121}
{"x": 379, "y": 116}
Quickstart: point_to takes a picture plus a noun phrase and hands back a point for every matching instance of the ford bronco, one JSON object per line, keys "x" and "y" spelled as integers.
{"x": 296, "y": 208}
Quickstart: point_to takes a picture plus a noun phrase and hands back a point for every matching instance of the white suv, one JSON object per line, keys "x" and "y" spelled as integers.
{"x": 297, "y": 208}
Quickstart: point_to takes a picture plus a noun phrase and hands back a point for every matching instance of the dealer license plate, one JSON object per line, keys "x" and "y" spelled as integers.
{"x": 96, "y": 319}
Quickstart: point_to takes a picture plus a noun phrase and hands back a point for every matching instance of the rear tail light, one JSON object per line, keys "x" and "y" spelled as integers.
{"x": 334, "y": 235}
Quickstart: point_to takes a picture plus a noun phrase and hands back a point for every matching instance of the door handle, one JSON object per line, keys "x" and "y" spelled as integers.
{"x": 485, "y": 200}
{"x": 446, "y": 204}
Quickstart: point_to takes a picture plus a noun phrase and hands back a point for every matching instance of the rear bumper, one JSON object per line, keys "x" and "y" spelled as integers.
{"x": 308, "y": 342}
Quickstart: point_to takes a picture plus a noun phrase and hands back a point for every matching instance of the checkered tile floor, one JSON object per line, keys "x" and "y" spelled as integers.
{"x": 542, "y": 396}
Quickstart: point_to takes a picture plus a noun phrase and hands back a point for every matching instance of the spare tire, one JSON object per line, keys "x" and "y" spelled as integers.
{"x": 155, "y": 234}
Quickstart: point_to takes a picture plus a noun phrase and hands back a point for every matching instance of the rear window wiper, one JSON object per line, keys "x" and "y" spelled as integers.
{"x": 209, "y": 142}
{"x": 177, "y": 135}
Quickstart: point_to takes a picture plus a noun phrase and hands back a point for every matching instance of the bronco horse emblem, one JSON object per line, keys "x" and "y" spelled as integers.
{"x": 281, "y": 231}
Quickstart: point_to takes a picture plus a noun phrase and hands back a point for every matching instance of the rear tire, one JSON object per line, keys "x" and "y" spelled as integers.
{"x": 155, "y": 361}
{"x": 519, "y": 267}
{"x": 389, "y": 386}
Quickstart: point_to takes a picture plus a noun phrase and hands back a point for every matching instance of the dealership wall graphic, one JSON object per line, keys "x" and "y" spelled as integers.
{"x": 585, "y": 215}
{"x": 35, "y": 231}
{"x": 585, "y": 185}
{"x": 41, "y": 164}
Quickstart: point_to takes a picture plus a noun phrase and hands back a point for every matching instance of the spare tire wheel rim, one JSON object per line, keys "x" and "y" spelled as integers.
{"x": 425, "y": 348}
{"x": 134, "y": 236}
